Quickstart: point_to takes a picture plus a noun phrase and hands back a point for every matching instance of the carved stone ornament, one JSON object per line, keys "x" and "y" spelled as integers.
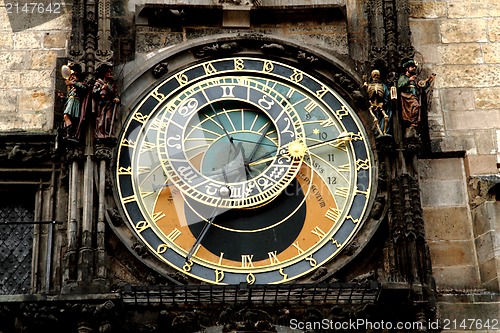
{"x": 218, "y": 49}
{"x": 160, "y": 69}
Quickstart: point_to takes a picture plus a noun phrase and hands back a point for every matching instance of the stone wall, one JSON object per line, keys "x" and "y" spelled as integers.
{"x": 31, "y": 39}
{"x": 460, "y": 41}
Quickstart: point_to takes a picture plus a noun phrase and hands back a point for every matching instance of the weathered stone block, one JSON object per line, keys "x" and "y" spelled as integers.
{"x": 425, "y": 31}
{"x": 12, "y": 60}
{"x": 494, "y": 30}
{"x": 434, "y": 9}
{"x": 42, "y": 59}
{"x": 458, "y": 311}
{"x": 441, "y": 169}
{"x": 433, "y": 193}
{"x": 443, "y": 224}
{"x": 457, "y": 99}
{"x": 468, "y": 76}
{"x": 479, "y": 119}
{"x": 6, "y": 41}
{"x": 487, "y": 246}
{"x": 10, "y": 79}
{"x": 487, "y": 98}
{"x": 489, "y": 273}
{"x": 35, "y": 100}
{"x": 486, "y": 142}
{"x": 461, "y": 53}
{"x": 36, "y": 78}
{"x": 28, "y": 40}
{"x": 452, "y": 253}
{"x": 447, "y": 277}
{"x": 8, "y": 104}
{"x": 463, "y": 31}
{"x": 55, "y": 39}
{"x": 473, "y": 8}
{"x": 492, "y": 53}
{"x": 481, "y": 165}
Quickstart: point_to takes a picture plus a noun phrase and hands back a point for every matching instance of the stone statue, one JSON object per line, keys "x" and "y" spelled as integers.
{"x": 380, "y": 106}
{"x": 76, "y": 92}
{"x": 106, "y": 102}
{"x": 410, "y": 91}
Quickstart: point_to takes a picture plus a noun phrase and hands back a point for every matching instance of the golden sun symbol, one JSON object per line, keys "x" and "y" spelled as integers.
{"x": 297, "y": 149}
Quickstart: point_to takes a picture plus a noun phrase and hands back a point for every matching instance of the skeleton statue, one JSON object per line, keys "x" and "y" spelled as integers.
{"x": 379, "y": 98}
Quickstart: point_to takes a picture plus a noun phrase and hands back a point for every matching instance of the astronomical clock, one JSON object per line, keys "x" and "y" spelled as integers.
{"x": 244, "y": 168}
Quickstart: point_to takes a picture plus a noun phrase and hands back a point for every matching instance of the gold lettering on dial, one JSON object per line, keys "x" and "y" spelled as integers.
{"x": 124, "y": 171}
{"x": 239, "y": 64}
{"x": 283, "y": 274}
{"x": 320, "y": 93}
{"x": 247, "y": 260}
{"x": 227, "y": 91}
{"x": 299, "y": 250}
{"x": 209, "y": 68}
{"x": 129, "y": 199}
{"x": 342, "y": 112}
{"x": 141, "y": 226}
{"x": 162, "y": 248}
{"x": 187, "y": 266}
{"x": 342, "y": 191}
{"x": 297, "y": 76}
{"x": 332, "y": 214}
{"x": 219, "y": 275}
{"x": 172, "y": 236}
{"x": 273, "y": 258}
{"x": 268, "y": 66}
{"x": 250, "y": 278}
{"x": 312, "y": 261}
{"x": 318, "y": 232}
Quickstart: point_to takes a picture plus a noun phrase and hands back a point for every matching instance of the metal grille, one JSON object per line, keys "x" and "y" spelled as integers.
{"x": 16, "y": 246}
{"x": 335, "y": 293}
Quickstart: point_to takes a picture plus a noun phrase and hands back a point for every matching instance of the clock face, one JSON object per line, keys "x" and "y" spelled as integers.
{"x": 244, "y": 170}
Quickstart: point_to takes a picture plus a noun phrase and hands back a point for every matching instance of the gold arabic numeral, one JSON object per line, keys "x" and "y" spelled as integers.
{"x": 297, "y": 246}
{"x": 158, "y": 95}
{"x": 247, "y": 260}
{"x": 342, "y": 112}
{"x": 250, "y": 278}
{"x": 209, "y": 68}
{"x": 355, "y": 221}
{"x": 362, "y": 164}
{"x": 219, "y": 275}
{"x": 312, "y": 261}
{"x": 139, "y": 117}
{"x": 129, "y": 199}
{"x": 342, "y": 191}
{"x": 320, "y": 93}
{"x": 273, "y": 257}
{"x": 332, "y": 214}
{"x": 188, "y": 265}
{"x": 239, "y": 64}
{"x": 296, "y": 76}
{"x": 122, "y": 171}
{"x": 283, "y": 274}
{"x": 182, "y": 79}
{"x": 173, "y": 235}
{"x": 268, "y": 67}
{"x": 128, "y": 143}
{"x": 141, "y": 226}
{"x": 310, "y": 106}
{"x": 162, "y": 248}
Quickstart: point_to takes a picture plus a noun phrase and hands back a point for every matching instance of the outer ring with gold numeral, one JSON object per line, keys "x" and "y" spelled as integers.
{"x": 305, "y": 226}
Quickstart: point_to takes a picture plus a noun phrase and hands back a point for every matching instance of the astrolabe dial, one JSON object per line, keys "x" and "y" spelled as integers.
{"x": 244, "y": 170}
{"x": 213, "y": 132}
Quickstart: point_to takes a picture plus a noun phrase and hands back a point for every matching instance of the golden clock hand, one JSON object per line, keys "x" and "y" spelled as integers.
{"x": 342, "y": 138}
